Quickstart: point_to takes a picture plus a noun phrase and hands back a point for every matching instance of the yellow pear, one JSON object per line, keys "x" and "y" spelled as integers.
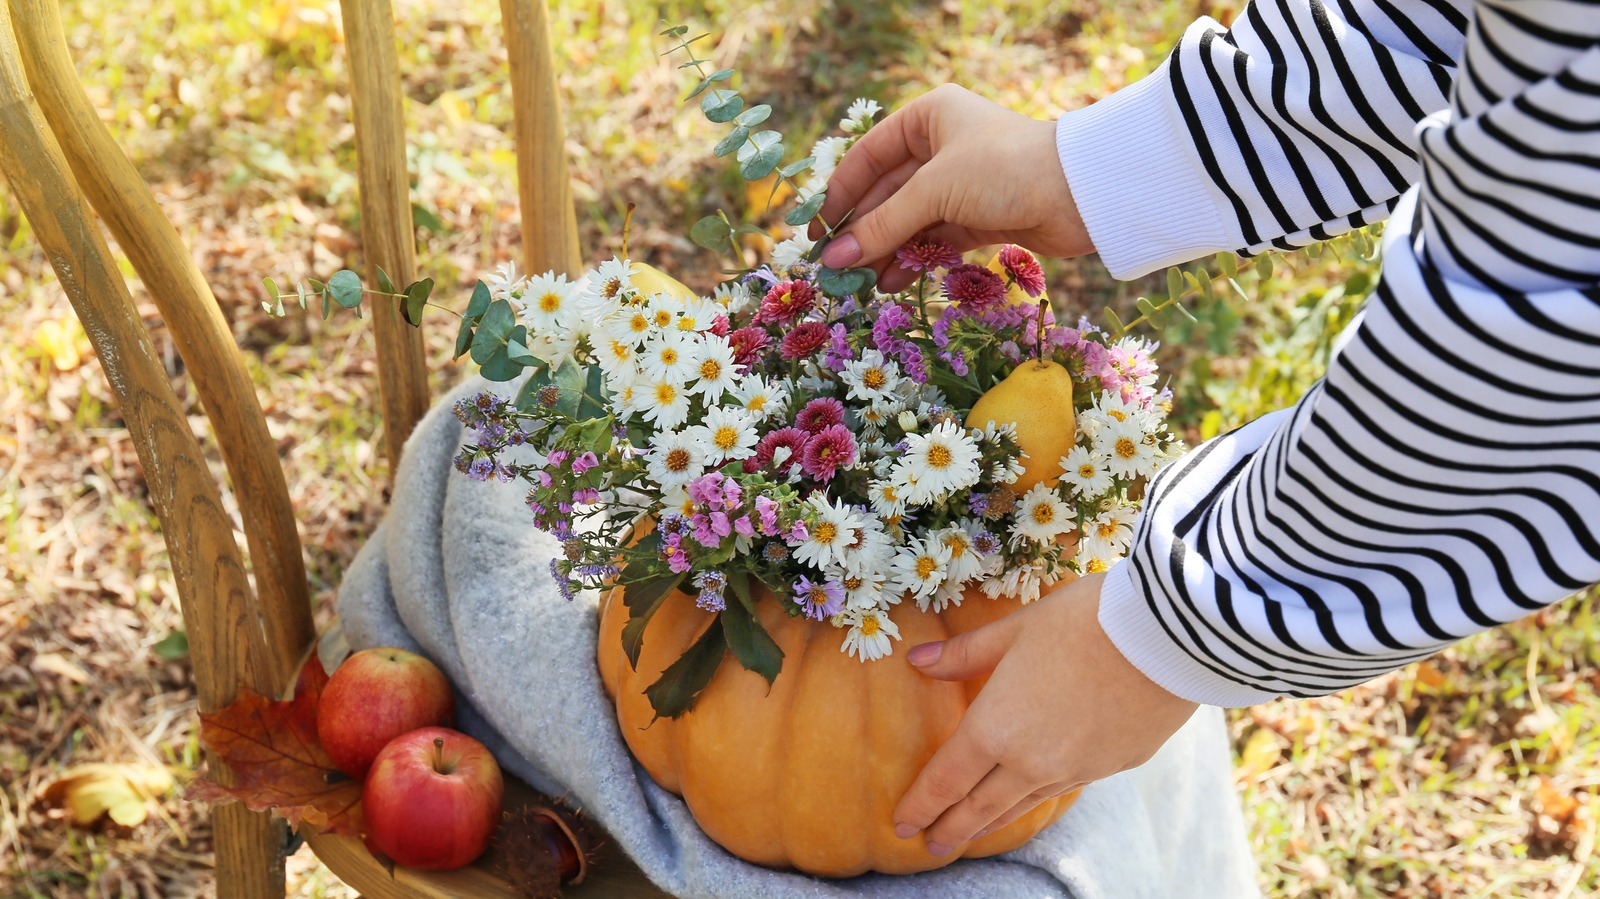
{"x": 1015, "y": 295}
{"x": 1037, "y": 398}
{"x": 650, "y": 280}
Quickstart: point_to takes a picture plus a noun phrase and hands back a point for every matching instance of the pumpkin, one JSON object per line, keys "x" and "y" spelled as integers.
{"x": 805, "y": 775}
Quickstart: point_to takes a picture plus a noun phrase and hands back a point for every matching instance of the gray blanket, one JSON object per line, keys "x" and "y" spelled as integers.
{"x": 458, "y": 573}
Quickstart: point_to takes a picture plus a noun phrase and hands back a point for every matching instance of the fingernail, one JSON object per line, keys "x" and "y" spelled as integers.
{"x": 904, "y": 831}
{"x": 843, "y": 252}
{"x": 938, "y": 849}
{"x": 925, "y": 654}
{"x": 982, "y": 833}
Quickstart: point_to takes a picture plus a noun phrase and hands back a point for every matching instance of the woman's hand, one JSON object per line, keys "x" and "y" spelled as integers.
{"x": 963, "y": 168}
{"x": 1062, "y": 709}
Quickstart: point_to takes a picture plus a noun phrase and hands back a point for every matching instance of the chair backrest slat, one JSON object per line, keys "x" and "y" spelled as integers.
{"x": 544, "y": 184}
{"x": 192, "y": 315}
{"x": 226, "y": 643}
{"x": 387, "y": 231}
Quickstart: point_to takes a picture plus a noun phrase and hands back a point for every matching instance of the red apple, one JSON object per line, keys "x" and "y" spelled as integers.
{"x": 432, "y": 799}
{"x": 375, "y": 696}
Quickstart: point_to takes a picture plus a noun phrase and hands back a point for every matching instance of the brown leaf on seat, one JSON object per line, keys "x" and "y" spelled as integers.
{"x": 276, "y": 760}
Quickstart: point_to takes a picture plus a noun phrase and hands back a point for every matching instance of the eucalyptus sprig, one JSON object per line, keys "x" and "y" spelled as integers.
{"x": 346, "y": 291}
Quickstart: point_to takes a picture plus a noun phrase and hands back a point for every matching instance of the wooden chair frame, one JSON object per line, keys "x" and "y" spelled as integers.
{"x": 59, "y": 160}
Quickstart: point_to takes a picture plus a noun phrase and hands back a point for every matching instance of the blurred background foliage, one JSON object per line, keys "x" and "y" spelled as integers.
{"x": 1472, "y": 774}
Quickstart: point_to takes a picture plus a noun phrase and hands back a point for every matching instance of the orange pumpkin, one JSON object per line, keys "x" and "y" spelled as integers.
{"x": 807, "y": 774}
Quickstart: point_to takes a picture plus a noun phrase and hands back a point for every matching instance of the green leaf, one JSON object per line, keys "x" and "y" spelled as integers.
{"x": 493, "y": 331}
{"x": 732, "y": 142}
{"x": 327, "y": 305}
{"x": 676, "y": 31}
{"x": 754, "y": 116}
{"x": 642, "y": 601}
{"x": 806, "y": 211}
{"x": 517, "y": 351}
{"x": 527, "y": 397}
{"x": 571, "y": 379}
{"x": 683, "y": 680}
{"x": 1229, "y": 263}
{"x": 721, "y": 105}
{"x": 500, "y": 367}
{"x": 846, "y": 282}
{"x": 416, "y": 298}
{"x": 346, "y": 288}
{"x": 384, "y": 284}
{"x": 1174, "y": 284}
{"x": 464, "y": 338}
{"x": 272, "y": 290}
{"x": 798, "y": 166}
{"x": 749, "y": 641}
{"x": 592, "y": 404}
{"x": 479, "y": 304}
{"x": 713, "y": 233}
{"x": 423, "y": 217}
{"x": 1116, "y": 319}
{"x": 769, "y": 152}
{"x": 1264, "y": 266}
{"x": 174, "y": 645}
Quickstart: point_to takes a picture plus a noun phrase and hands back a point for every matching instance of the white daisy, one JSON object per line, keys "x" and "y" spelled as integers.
{"x": 860, "y": 113}
{"x": 939, "y": 463}
{"x": 827, "y": 152}
{"x": 1020, "y": 581}
{"x": 663, "y": 310}
{"x": 869, "y": 635}
{"x": 714, "y": 373}
{"x": 763, "y": 398}
{"x": 664, "y": 402}
{"x": 670, "y": 356}
{"x": 554, "y": 347}
{"x": 733, "y": 296}
{"x": 1129, "y": 454}
{"x": 728, "y": 433}
{"x": 919, "y": 569}
{"x": 612, "y": 279}
{"x": 871, "y": 378}
{"x": 965, "y": 561}
{"x": 1113, "y": 407}
{"x": 1110, "y": 532}
{"x": 698, "y": 314}
{"x": 836, "y": 527}
{"x": 1041, "y": 515}
{"x": 675, "y": 459}
{"x": 791, "y": 252}
{"x": 1086, "y": 471}
{"x": 631, "y": 323}
{"x": 547, "y": 303}
{"x": 627, "y": 388}
{"x": 865, "y": 590}
{"x": 505, "y": 284}
{"x": 950, "y": 593}
{"x": 615, "y": 356}
{"x": 887, "y": 499}
{"x": 871, "y": 551}
{"x": 1088, "y": 562}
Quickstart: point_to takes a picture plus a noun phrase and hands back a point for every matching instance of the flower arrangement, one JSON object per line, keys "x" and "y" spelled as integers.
{"x": 800, "y": 429}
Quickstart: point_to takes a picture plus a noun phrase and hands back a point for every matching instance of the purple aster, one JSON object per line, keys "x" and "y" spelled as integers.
{"x": 711, "y": 584}
{"x": 819, "y": 600}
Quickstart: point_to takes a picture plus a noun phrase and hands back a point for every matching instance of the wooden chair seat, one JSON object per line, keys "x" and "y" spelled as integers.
{"x": 58, "y": 158}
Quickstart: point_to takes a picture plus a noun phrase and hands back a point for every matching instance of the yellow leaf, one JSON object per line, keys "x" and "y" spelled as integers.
{"x": 61, "y": 341}
{"x": 1260, "y": 753}
{"x": 1429, "y": 676}
{"x": 122, "y": 791}
{"x": 456, "y": 110}
{"x": 1211, "y": 425}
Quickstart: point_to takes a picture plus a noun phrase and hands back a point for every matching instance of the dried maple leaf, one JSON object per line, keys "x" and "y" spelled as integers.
{"x": 277, "y": 761}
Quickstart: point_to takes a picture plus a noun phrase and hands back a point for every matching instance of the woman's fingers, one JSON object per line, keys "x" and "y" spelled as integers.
{"x": 872, "y": 237}
{"x": 1028, "y": 804}
{"x": 999, "y": 792}
{"x": 958, "y": 766}
{"x": 880, "y": 151}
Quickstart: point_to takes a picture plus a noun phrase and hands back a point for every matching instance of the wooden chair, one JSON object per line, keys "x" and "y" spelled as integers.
{"x": 59, "y": 158}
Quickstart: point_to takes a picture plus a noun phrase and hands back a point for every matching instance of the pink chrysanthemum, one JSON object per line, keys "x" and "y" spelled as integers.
{"x": 786, "y": 301}
{"x": 828, "y": 451}
{"x": 719, "y": 326}
{"x": 803, "y": 340}
{"x": 792, "y": 439}
{"x": 820, "y": 414}
{"x": 748, "y": 345}
{"x": 1023, "y": 268}
{"x": 974, "y": 287}
{"x": 924, "y": 254}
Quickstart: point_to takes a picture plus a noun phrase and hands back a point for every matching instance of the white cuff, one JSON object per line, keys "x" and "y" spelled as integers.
{"x": 1139, "y": 183}
{"x": 1143, "y": 639}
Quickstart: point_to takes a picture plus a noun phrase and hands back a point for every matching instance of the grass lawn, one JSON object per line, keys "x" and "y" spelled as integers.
{"x": 1476, "y": 773}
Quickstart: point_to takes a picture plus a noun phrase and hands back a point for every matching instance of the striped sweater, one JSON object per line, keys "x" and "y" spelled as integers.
{"x": 1444, "y": 476}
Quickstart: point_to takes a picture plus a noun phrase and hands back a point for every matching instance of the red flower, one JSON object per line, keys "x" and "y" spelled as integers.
{"x": 748, "y": 344}
{"x": 803, "y": 340}
{"x": 819, "y": 415}
{"x": 1023, "y": 268}
{"x": 828, "y": 451}
{"x": 719, "y": 326}
{"x": 786, "y": 301}
{"x": 974, "y": 286}
{"x": 924, "y": 254}
{"x": 792, "y": 439}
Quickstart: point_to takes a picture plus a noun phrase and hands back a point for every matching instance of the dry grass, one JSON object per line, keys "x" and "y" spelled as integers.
{"x": 1473, "y": 775}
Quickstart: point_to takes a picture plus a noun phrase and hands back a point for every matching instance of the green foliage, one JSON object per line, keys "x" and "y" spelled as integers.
{"x": 683, "y": 680}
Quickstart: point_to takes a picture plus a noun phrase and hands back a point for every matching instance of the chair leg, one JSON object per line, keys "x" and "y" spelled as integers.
{"x": 249, "y": 848}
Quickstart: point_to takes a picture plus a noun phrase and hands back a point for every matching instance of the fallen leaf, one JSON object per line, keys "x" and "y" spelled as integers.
{"x": 61, "y": 341}
{"x": 1260, "y": 753}
{"x": 1429, "y": 676}
{"x": 123, "y": 791}
{"x": 277, "y": 761}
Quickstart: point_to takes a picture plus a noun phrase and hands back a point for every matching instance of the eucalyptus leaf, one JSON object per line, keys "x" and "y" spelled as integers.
{"x": 721, "y": 105}
{"x": 175, "y": 645}
{"x": 755, "y": 115}
{"x": 642, "y": 601}
{"x": 384, "y": 284}
{"x": 593, "y": 402}
{"x": 527, "y": 396}
{"x": 464, "y": 337}
{"x": 768, "y": 153}
{"x": 493, "y": 331}
{"x": 1174, "y": 284}
{"x": 1264, "y": 266}
{"x": 423, "y": 217}
{"x": 806, "y": 211}
{"x": 479, "y": 304}
{"x": 416, "y": 299}
{"x": 272, "y": 290}
{"x": 345, "y": 286}
{"x": 846, "y": 282}
{"x": 683, "y": 680}
{"x": 500, "y": 367}
{"x": 1229, "y": 264}
{"x": 570, "y": 379}
{"x": 732, "y": 142}
{"x": 751, "y": 644}
{"x": 713, "y": 233}
{"x": 798, "y": 166}
{"x": 676, "y": 31}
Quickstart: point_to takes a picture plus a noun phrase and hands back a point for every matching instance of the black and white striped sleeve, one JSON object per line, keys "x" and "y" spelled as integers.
{"x": 1295, "y": 125}
{"x": 1444, "y": 476}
